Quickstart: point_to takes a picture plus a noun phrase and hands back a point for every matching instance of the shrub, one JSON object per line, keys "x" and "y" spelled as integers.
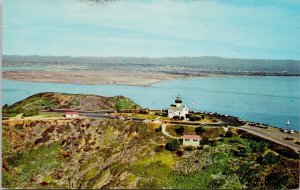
{"x": 120, "y": 106}
{"x": 31, "y": 112}
{"x": 217, "y": 183}
{"x": 285, "y": 151}
{"x": 219, "y": 156}
{"x": 269, "y": 158}
{"x": 173, "y": 145}
{"x": 242, "y": 151}
{"x": 158, "y": 129}
{"x": 176, "y": 117}
{"x": 189, "y": 148}
{"x": 200, "y": 148}
{"x": 204, "y": 141}
{"x": 246, "y": 173}
{"x": 179, "y": 153}
{"x": 199, "y": 130}
{"x": 257, "y": 146}
{"x": 195, "y": 118}
{"x": 213, "y": 142}
{"x": 277, "y": 180}
{"x": 229, "y": 133}
{"x": 159, "y": 148}
{"x": 179, "y": 130}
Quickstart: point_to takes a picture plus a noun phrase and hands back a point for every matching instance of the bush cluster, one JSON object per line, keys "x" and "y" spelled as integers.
{"x": 173, "y": 145}
{"x": 269, "y": 158}
{"x": 199, "y": 130}
{"x": 179, "y": 129}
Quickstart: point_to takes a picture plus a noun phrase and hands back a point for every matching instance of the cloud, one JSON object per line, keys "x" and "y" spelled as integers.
{"x": 186, "y": 25}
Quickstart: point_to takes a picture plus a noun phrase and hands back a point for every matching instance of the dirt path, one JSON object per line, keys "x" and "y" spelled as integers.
{"x": 273, "y": 135}
{"x": 164, "y": 131}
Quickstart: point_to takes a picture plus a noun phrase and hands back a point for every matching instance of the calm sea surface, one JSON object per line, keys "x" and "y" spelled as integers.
{"x": 271, "y": 100}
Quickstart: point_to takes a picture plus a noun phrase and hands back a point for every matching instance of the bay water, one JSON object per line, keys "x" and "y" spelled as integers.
{"x": 272, "y": 100}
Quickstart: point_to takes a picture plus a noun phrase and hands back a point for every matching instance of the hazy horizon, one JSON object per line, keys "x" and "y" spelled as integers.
{"x": 149, "y": 57}
{"x": 156, "y": 29}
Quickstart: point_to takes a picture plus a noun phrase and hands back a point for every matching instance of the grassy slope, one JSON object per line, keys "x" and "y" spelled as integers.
{"x": 33, "y": 104}
{"x": 123, "y": 154}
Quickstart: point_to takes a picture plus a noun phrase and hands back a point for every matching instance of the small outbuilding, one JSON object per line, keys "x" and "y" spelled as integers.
{"x": 71, "y": 114}
{"x": 190, "y": 140}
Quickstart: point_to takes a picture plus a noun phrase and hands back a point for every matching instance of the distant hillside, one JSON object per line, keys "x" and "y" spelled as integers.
{"x": 183, "y": 65}
{"x": 49, "y": 100}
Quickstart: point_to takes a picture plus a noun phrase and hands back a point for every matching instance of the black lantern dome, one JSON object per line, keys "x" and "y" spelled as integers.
{"x": 178, "y": 99}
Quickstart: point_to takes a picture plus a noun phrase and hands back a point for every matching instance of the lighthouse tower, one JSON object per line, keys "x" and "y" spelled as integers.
{"x": 178, "y": 101}
{"x": 177, "y": 110}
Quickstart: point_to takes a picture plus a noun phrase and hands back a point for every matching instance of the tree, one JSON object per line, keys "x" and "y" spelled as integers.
{"x": 269, "y": 158}
{"x": 242, "y": 151}
{"x": 173, "y": 145}
{"x": 158, "y": 129}
{"x": 179, "y": 129}
{"x": 278, "y": 180}
{"x": 217, "y": 183}
{"x": 199, "y": 130}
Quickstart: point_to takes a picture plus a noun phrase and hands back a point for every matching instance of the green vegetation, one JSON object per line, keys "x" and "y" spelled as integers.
{"x": 179, "y": 129}
{"x": 30, "y": 163}
{"x": 91, "y": 153}
{"x": 173, "y": 145}
{"x": 163, "y": 157}
{"x": 199, "y": 130}
{"x": 142, "y": 116}
{"x": 269, "y": 158}
{"x": 121, "y": 103}
{"x": 32, "y": 105}
{"x": 278, "y": 180}
{"x": 194, "y": 117}
{"x": 29, "y": 107}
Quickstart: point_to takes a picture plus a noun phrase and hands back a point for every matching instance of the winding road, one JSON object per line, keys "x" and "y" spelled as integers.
{"x": 273, "y": 134}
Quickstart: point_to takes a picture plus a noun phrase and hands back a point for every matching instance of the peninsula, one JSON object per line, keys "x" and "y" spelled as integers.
{"x": 87, "y": 141}
{"x": 137, "y": 71}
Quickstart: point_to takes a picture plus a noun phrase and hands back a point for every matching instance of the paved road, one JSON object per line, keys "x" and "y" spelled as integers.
{"x": 272, "y": 135}
{"x": 269, "y": 134}
{"x": 101, "y": 116}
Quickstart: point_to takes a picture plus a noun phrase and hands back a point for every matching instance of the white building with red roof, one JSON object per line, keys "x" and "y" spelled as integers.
{"x": 71, "y": 114}
{"x": 190, "y": 140}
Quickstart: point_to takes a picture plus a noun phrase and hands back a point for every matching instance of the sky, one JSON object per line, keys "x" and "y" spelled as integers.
{"x": 268, "y": 29}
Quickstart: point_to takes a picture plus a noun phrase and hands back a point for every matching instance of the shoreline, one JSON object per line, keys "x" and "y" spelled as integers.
{"x": 133, "y": 78}
{"x": 97, "y": 77}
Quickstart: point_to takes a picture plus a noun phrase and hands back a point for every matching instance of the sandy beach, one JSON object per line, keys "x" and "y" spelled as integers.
{"x": 91, "y": 77}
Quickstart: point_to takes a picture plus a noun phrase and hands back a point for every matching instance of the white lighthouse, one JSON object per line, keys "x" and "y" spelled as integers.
{"x": 177, "y": 109}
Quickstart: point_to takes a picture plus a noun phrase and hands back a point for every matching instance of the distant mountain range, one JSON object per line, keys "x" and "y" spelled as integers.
{"x": 173, "y": 65}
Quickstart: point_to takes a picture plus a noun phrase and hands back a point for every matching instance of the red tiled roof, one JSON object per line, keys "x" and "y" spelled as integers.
{"x": 68, "y": 113}
{"x": 193, "y": 137}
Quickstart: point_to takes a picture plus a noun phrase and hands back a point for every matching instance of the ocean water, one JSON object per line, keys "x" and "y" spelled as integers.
{"x": 271, "y": 100}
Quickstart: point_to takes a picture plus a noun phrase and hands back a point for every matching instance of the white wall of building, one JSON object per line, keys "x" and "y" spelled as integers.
{"x": 181, "y": 113}
{"x": 190, "y": 142}
{"x": 71, "y": 115}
